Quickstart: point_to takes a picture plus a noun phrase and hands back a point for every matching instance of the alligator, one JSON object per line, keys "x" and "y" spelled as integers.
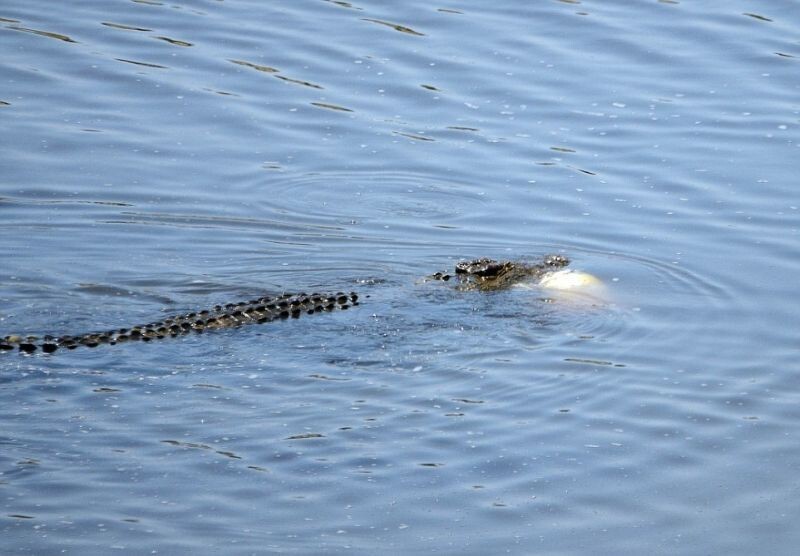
{"x": 478, "y": 274}
{"x": 488, "y": 274}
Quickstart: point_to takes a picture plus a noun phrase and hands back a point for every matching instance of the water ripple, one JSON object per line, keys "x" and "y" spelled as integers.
{"x": 363, "y": 146}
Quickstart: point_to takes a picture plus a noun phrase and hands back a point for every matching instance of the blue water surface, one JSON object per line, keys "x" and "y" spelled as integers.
{"x": 161, "y": 156}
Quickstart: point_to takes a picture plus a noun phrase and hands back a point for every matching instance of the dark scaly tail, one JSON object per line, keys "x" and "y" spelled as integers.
{"x": 264, "y": 309}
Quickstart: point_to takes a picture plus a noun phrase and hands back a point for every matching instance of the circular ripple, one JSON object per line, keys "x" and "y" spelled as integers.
{"x": 393, "y": 195}
{"x": 644, "y": 303}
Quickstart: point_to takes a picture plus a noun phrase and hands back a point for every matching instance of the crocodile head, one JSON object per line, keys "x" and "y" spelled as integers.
{"x": 483, "y": 268}
{"x": 489, "y": 274}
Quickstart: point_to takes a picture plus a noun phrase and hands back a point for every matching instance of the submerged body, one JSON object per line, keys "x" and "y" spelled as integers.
{"x": 478, "y": 274}
{"x": 256, "y": 311}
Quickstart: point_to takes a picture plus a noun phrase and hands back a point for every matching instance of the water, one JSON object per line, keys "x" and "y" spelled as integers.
{"x": 160, "y": 157}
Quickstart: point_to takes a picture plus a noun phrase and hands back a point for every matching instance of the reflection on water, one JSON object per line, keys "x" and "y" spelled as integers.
{"x": 173, "y": 156}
